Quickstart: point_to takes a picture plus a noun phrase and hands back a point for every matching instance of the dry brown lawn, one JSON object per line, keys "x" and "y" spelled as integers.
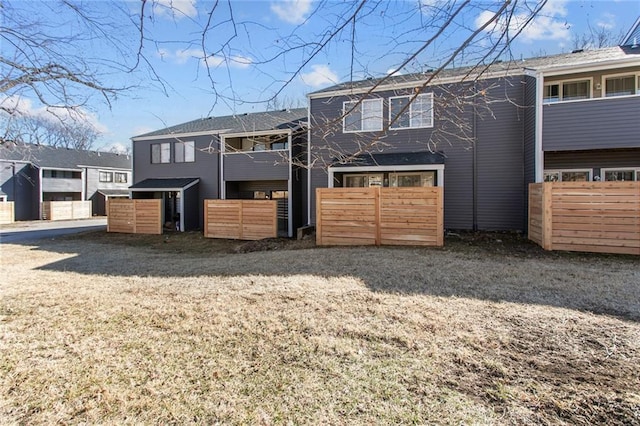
{"x": 175, "y": 329}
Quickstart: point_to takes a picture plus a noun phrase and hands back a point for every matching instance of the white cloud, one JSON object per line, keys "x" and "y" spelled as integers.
{"x": 117, "y": 147}
{"x": 182, "y": 56}
{"x": 320, "y": 75}
{"x": 233, "y": 61}
{"x": 608, "y": 21}
{"x": 176, "y": 9}
{"x": 292, "y": 11}
{"x": 549, "y": 24}
{"x": 393, "y": 71}
{"x": 24, "y": 107}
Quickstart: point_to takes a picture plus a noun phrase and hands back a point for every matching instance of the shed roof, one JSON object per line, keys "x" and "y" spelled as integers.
{"x": 395, "y": 159}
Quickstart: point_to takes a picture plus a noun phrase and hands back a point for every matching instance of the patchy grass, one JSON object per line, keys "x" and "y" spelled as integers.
{"x": 130, "y": 330}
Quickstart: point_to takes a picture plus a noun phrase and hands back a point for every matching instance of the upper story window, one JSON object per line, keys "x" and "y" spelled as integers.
{"x": 160, "y": 153}
{"x": 621, "y": 85}
{"x": 184, "y": 152}
{"x": 105, "y": 176}
{"x": 411, "y": 115}
{"x": 567, "y": 91}
{"x": 362, "y": 116}
{"x": 121, "y": 177}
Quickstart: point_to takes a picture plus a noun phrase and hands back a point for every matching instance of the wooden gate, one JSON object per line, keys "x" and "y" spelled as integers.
{"x": 240, "y": 219}
{"x": 380, "y": 216}
{"x": 134, "y": 216}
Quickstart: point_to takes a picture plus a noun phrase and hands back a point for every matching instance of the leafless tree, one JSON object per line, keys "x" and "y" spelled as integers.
{"x": 595, "y": 38}
{"x": 48, "y": 130}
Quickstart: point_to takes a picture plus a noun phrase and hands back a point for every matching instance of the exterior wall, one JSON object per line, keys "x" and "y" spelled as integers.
{"x": 61, "y": 185}
{"x": 594, "y": 159}
{"x": 597, "y": 77}
{"x": 529, "y": 137}
{"x": 500, "y": 156}
{"x": 487, "y": 180}
{"x": 206, "y": 166}
{"x": 20, "y": 182}
{"x": 192, "y": 215}
{"x": 93, "y": 184}
{"x": 592, "y": 124}
{"x": 265, "y": 165}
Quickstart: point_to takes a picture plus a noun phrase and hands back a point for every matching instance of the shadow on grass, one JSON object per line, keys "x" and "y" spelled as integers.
{"x": 494, "y": 267}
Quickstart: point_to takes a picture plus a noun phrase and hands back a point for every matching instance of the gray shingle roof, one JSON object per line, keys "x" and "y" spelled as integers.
{"x": 45, "y": 156}
{"x": 633, "y": 36}
{"x": 590, "y": 57}
{"x": 238, "y": 123}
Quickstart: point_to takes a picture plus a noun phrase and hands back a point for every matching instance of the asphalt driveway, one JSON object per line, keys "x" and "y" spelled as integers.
{"x": 40, "y": 229}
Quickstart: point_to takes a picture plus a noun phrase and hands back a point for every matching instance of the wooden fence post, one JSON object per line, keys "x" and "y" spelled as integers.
{"x": 377, "y": 204}
{"x": 547, "y": 215}
{"x": 319, "y": 216}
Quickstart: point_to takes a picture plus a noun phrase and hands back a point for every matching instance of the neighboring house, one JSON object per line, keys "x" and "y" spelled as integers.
{"x": 244, "y": 156}
{"x": 31, "y": 174}
{"x": 485, "y": 137}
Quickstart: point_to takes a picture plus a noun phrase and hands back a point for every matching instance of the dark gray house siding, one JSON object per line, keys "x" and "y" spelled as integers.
{"x": 19, "y": 181}
{"x": 603, "y": 123}
{"x": 593, "y": 159}
{"x": 499, "y": 165}
{"x": 529, "y": 138}
{"x": 206, "y": 167}
{"x": 256, "y": 166}
{"x": 484, "y": 182}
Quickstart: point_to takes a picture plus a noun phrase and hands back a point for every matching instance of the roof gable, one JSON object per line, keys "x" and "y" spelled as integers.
{"x": 633, "y": 36}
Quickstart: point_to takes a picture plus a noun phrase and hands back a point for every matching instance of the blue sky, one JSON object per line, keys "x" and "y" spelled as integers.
{"x": 262, "y": 57}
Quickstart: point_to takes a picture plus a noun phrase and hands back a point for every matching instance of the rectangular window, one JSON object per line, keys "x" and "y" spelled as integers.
{"x": 551, "y": 93}
{"x": 566, "y": 91}
{"x": 411, "y": 115}
{"x": 363, "y": 180}
{"x": 620, "y": 175}
{"x": 160, "y": 153}
{"x": 567, "y": 176}
{"x": 620, "y": 86}
{"x": 184, "y": 152}
{"x": 362, "y": 116}
{"x": 121, "y": 177}
{"x": 576, "y": 90}
{"x": 106, "y": 176}
{"x": 412, "y": 179}
{"x": 61, "y": 174}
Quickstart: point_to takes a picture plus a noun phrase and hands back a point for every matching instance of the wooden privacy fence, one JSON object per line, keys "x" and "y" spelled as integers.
{"x": 375, "y": 216}
{"x": 585, "y": 216}
{"x": 134, "y": 216}
{"x": 240, "y": 219}
{"x": 66, "y": 210}
{"x": 6, "y": 212}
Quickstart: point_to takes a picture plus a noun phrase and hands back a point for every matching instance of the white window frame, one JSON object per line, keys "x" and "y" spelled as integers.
{"x": 560, "y": 83}
{"x": 634, "y": 170}
{"x": 409, "y": 111}
{"x": 560, "y": 171}
{"x": 346, "y": 110}
{"x": 622, "y": 74}
{"x": 106, "y": 172}
{"x": 182, "y": 145}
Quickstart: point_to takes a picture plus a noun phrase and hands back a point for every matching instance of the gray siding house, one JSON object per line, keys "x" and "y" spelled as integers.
{"x": 244, "y": 156}
{"x": 31, "y": 174}
{"x": 483, "y": 137}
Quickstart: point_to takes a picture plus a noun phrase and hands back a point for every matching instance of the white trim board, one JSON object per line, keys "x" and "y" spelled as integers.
{"x": 412, "y": 168}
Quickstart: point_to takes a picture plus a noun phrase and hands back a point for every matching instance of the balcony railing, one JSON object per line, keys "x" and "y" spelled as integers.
{"x": 597, "y": 123}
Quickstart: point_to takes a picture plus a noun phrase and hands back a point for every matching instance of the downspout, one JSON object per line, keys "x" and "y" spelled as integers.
{"x": 474, "y": 166}
{"x": 40, "y": 193}
{"x": 223, "y": 187}
{"x": 539, "y": 153}
{"x": 308, "y": 161}
{"x": 289, "y": 189}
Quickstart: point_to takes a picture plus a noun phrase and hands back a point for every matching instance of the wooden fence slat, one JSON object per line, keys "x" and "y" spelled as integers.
{"x": 241, "y": 219}
{"x": 586, "y": 216}
{"x": 368, "y": 216}
{"x": 134, "y": 216}
{"x": 7, "y": 212}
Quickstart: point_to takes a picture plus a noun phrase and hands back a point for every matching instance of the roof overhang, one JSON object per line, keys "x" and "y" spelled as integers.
{"x": 598, "y": 66}
{"x": 164, "y": 185}
{"x": 175, "y": 136}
